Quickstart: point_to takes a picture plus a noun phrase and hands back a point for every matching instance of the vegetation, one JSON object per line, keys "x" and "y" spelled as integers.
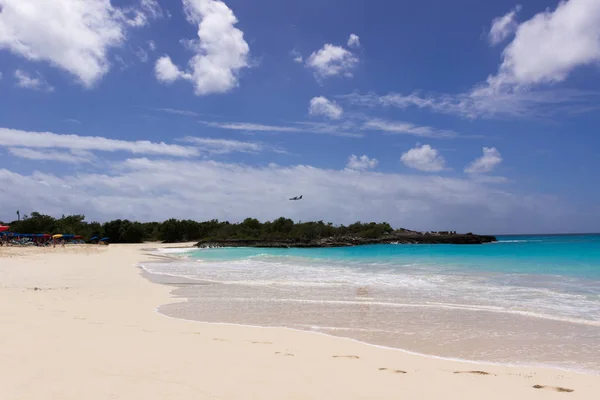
{"x": 173, "y": 230}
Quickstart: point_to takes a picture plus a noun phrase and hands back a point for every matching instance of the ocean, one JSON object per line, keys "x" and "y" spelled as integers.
{"x": 526, "y": 300}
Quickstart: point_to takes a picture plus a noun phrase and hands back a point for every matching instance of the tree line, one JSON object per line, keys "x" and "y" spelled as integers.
{"x": 174, "y": 230}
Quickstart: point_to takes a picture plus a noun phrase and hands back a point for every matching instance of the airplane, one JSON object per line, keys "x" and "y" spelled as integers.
{"x": 296, "y": 198}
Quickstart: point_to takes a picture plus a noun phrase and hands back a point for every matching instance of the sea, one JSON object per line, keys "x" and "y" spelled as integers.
{"x": 525, "y": 300}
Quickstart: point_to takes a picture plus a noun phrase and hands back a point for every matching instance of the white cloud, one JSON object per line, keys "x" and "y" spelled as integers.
{"x": 48, "y": 140}
{"x": 353, "y": 40}
{"x": 306, "y": 127}
{"x": 361, "y": 163}
{"x": 504, "y": 26}
{"x": 27, "y": 81}
{"x": 72, "y": 157}
{"x": 325, "y": 107}
{"x": 179, "y": 112}
{"x": 141, "y": 15}
{"x": 142, "y": 54}
{"x": 332, "y": 61}
{"x": 544, "y": 51}
{"x": 166, "y": 71}
{"x": 485, "y": 102}
{"x": 491, "y": 159}
{"x": 75, "y": 36}
{"x": 424, "y": 158}
{"x": 296, "y": 56}
{"x": 549, "y": 46}
{"x": 152, "y": 190}
{"x": 399, "y": 127}
{"x": 151, "y": 45}
{"x": 221, "y": 51}
{"x": 226, "y": 146}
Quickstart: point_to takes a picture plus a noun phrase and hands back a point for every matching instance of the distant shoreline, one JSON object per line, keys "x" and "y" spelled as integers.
{"x": 351, "y": 241}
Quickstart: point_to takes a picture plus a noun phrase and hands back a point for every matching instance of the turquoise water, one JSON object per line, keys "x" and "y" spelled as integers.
{"x": 525, "y": 299}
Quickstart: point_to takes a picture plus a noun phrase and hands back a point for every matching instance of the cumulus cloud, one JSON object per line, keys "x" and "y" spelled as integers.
{"x": 545, "y": 50}
{"x": 28, "y": 81}
{"x": 75, "y": 36}
{"x": 325, "y": 107}
{"x": 361, "y": 163}
{"x": 353, "y": 40}
{"x": 424, "y": 158}
{"x": 150, "y": 190}
{"x": 221, "y": 51}
{"x": 166, "y": 71}
{"x": 503, "y": 26}
{"x": 491, "y": 159}
{"x": 331, "y": 61}
{"x": 549, "y": 46}
{"x": 14, "y": 138}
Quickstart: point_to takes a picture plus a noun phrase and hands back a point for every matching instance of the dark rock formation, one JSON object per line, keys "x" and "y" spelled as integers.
{"x": 407, "y": 237}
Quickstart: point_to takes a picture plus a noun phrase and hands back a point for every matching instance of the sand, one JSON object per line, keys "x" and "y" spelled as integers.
{"x": 80, "y": 323}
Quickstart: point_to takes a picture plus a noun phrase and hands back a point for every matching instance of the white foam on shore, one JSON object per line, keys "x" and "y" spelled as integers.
{"x": 175, "y": 250}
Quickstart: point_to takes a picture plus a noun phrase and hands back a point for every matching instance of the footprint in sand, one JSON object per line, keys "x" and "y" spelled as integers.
{"x": 555, "y": 388}
{"x": 395, "y": 371}
{"x": 262, "y": 342}
{"x": 284, "y": 354}
{"x": 353, "y": 357}
{"x": 474, "y": 372}
{"x": 219, "y": 339}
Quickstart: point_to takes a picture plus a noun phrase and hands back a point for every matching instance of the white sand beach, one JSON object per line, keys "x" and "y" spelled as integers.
{"x": 80, "y": 323}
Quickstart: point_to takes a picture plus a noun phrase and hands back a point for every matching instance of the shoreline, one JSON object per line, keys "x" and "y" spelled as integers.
{"x": 147, "y": 274}
{"x": 93, "y": 331}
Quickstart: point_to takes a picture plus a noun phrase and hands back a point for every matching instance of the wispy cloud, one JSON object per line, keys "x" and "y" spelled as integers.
{"x": 72, "y": 157}
{"x": 47, "y": 140}
{"x": 300, "y": 127}
{"x": 226, "y": 146}
{"x": 406, "y": 128}
{"x": 483, "y": 102}
{"x": 29, "y": 81}
{"x": 178, "y": 112}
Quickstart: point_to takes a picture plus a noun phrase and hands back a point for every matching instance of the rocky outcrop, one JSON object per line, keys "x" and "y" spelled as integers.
{"x": 346, "y": 241}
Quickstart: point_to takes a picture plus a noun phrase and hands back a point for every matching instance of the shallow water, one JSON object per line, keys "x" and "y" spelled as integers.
{"x": 525, "y": 300}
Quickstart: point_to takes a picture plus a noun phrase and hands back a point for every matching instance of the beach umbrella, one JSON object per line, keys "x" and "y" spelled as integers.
{"x": 58, "y": 236}
{"x": 104, "y": 239}
{"x": 3, "y": 228}
{"x": 94, "y": 238}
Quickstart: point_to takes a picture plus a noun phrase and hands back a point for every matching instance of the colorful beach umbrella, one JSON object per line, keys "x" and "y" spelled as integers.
{"x": 3, "y": 228}
{"x": 58, "y": 236}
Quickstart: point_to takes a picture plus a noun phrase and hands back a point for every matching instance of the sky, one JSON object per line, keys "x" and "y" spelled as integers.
{"x": 432, "y": 115}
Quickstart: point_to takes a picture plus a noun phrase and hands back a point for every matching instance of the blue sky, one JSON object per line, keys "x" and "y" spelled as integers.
{"x": 433, "y": 115}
